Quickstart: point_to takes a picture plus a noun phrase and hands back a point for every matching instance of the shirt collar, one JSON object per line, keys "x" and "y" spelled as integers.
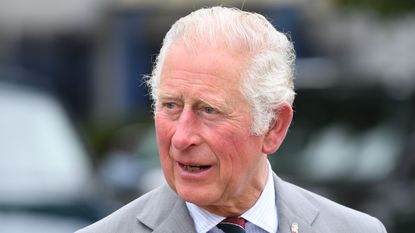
{"x": 204, "y": 220}
{"x": 260, "y": 214}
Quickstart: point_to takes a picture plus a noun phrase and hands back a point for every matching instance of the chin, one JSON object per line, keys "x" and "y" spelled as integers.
{"x": 195, "y": 196}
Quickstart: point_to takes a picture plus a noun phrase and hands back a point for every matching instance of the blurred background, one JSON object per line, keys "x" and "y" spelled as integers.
{"x": 76, "y": 130}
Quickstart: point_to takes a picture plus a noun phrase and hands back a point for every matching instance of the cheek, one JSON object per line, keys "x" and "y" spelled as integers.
{"x": 163, "y": 142}
{"x": 240, "y": 151}
{"x": 236, "y": 140}
{"x": 163, "y": 129}
{"x": 163, "y": 137}
{"x": 228, "y": 145}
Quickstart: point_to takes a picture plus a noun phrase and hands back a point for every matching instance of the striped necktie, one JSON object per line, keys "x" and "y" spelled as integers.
{"x": 232, "y": 225}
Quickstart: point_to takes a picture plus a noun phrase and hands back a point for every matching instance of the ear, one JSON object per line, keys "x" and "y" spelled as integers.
{"x": 278, "y": 129}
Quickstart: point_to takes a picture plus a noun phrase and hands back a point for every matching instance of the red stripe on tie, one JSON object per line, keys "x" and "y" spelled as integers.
{"x": 238, "y": 221}
{"x": 232, "y": 225}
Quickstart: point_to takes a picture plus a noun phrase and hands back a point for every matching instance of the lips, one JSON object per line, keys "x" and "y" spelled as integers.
{"x": 194, "y": 168}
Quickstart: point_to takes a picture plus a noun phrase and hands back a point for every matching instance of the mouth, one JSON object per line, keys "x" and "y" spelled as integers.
{"x": 194, "y": 168}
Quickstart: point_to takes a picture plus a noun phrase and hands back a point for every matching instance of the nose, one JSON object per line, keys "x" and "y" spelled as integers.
{"x": 187, "y": 131}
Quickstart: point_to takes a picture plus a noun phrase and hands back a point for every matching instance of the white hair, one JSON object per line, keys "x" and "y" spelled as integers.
{"x": 267, "y": 81}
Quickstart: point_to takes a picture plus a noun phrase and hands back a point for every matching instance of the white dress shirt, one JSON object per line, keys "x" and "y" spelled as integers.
{"x": 261, "y": 218}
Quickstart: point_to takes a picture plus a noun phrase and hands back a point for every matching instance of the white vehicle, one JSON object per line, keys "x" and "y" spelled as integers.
{"x": 45, "y": 173}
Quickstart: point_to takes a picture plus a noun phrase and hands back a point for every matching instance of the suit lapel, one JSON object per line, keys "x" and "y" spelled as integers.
{"x": 286, "y": 220}
{"x": 293, "y": 208}
{"x": 179, "y": 220}
{"x": 165, "y": 212}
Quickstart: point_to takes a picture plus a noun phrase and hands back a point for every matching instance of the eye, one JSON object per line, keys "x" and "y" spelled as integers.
{"x": 209, "y": 110}
{"x": 171, "y": 109}
{"x": 209, "y": 113}
{"x": 170, "y": 105}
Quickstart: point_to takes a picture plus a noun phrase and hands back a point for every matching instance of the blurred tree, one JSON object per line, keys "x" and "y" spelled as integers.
{"x": 385, "y": 7}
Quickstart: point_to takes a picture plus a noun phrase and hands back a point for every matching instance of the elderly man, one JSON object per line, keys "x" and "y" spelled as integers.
{"x": 223, "y": 91}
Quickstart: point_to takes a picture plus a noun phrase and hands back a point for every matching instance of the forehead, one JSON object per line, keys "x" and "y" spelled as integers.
{"x": 208, "y": 66}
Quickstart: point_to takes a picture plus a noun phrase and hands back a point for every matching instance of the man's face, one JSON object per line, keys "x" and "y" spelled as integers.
{"x": 208, "y": 155}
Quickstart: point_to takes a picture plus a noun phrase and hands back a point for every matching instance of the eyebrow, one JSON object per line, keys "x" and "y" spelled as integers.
{"x": 221, "y": 106}
{"x": 166, "y": 95}
{"x": 218, "y": 103}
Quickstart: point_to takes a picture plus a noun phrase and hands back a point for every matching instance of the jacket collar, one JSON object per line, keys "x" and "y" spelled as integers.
{"x": 167, "y": 213}
{"x": 293, "y": 208}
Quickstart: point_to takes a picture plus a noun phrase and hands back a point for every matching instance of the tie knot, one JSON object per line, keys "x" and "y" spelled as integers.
{"x": 232, "y": 225}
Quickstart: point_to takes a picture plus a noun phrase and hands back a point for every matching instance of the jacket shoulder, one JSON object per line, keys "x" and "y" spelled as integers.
{"x": 334, "y": 217}
{"x": 125, "y": 218}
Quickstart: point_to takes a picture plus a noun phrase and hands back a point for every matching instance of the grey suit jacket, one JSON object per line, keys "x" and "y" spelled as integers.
{"x": 163, "y": 211}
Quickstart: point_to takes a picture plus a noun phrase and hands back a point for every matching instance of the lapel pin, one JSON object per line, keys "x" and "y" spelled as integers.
{"x": 294, "y": 228}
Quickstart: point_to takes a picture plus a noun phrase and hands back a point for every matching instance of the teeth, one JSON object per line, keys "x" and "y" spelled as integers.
{"x": 192, "y": 168}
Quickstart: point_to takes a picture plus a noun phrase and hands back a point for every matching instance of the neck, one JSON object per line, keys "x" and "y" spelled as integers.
{"x": 239, "y": 204}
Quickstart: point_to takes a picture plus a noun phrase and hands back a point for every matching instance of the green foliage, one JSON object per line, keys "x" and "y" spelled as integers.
{"x": 384, "y": 7}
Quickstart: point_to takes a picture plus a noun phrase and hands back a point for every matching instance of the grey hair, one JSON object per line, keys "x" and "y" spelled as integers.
{"x": 267, "y": 81}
